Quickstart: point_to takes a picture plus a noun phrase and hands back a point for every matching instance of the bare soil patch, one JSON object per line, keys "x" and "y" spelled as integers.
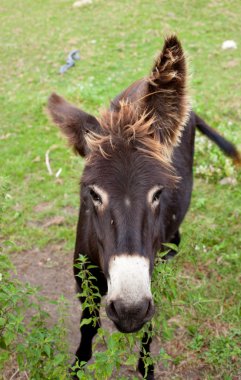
{"x": 51, "y": 270}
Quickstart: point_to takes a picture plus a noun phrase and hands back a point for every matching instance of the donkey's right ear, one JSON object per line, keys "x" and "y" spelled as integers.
{"x": 73, "y": 122}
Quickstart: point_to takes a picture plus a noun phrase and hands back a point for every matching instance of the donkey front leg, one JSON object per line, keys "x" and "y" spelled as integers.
{"x": 145, "y": 351}
{"x": 89, "y": 330}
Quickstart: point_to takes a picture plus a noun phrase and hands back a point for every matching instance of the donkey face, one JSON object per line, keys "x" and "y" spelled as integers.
{"x": 122, "y": 197}
{"x": 127, "y": 180}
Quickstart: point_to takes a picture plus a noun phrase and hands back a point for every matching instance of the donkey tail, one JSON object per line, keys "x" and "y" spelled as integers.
{"x": 227, "y": 147}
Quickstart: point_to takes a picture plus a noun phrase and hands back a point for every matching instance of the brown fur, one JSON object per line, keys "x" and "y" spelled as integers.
{"x": 133, "y": 127}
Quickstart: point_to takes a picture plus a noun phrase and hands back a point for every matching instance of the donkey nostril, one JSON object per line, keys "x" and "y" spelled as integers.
{"x": 113, "y": 309}
{"x": 117, "y": 311}
{"x": 149, "y": 307}
{"x": 112, "y": 312}
{"x": 150, "y": 310}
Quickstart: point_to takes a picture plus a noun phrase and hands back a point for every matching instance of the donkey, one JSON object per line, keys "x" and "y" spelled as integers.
{"x": 135, "y": 188}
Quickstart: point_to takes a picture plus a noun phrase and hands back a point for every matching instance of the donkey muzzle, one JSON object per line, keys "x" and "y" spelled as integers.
{"x": 129, "y": 298}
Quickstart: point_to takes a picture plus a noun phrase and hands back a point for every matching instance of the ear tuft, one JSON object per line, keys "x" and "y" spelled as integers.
{"x": 73, "y": 122}
{"x": 170, "y": 66}
{"x": 54, "y": 99}
{"x": 55, "y": 108}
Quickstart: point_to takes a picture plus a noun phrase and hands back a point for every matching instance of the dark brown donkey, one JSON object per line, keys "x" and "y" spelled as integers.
{"x": 136, "y": 186}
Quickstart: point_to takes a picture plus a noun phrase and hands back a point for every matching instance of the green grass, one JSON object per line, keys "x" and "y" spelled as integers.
{"x": 118, "y": 41}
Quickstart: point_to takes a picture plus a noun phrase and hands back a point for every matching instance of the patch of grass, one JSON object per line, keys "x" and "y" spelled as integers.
{"x": 26, "y": 340}
{"x": 117, "y": 42}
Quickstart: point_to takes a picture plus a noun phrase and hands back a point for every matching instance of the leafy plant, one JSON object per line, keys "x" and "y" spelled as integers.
{"x": 119, "y": 349}
{"x": 38, "y": 349}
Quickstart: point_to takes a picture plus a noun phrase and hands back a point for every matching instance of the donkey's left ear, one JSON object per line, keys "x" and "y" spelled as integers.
{"x": 73, "y": 122}
{"x": 167, "y": 97}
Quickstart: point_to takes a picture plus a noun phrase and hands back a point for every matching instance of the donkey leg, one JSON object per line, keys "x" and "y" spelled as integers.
{"x": 84, "y": 351}
{"x": 145, "y": 351}
{"x": 88, "y": 331}
{"x": 175, "y": 240}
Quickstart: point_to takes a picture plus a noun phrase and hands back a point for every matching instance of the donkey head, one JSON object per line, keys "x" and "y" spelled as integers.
{"x": 127, "y": 181}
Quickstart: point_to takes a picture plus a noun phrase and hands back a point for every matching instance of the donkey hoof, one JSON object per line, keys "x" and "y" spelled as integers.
{"x": 72, "y": 374}
{"x": 72, "y": 371}
{"x": 150, "y": 377}
{"x": 150, "y": 371}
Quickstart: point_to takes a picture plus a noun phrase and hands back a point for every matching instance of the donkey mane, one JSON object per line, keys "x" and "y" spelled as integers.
{"x": 135, "y": 128}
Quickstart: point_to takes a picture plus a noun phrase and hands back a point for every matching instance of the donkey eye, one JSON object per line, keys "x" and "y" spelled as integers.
{"x": 95, "y": 197}
{"x": 157, "y": 195}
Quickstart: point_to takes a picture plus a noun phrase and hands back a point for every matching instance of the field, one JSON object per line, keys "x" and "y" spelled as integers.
{"x": 118, "y": 41}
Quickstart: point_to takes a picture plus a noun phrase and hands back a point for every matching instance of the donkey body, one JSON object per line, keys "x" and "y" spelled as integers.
{"x": 135, "y": 189}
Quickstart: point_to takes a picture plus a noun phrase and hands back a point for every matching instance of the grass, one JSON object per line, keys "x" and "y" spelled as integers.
{"x": 117, "y": 42}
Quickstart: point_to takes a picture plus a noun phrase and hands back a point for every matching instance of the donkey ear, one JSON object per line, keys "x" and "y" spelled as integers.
{"x": 73, "y": 122}
{"x": 167, "y": 92}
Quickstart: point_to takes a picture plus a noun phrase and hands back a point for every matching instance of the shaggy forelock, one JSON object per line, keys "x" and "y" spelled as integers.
{"x": 137, "y": 129}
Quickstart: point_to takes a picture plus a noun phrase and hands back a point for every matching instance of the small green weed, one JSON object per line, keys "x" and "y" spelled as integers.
{"x": 224, "y": 350}
{"x": 121, "y": 349}
{"x": 39, "y": 350}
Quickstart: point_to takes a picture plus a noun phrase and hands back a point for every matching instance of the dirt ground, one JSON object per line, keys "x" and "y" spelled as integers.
{"x": 51, "y": 269}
